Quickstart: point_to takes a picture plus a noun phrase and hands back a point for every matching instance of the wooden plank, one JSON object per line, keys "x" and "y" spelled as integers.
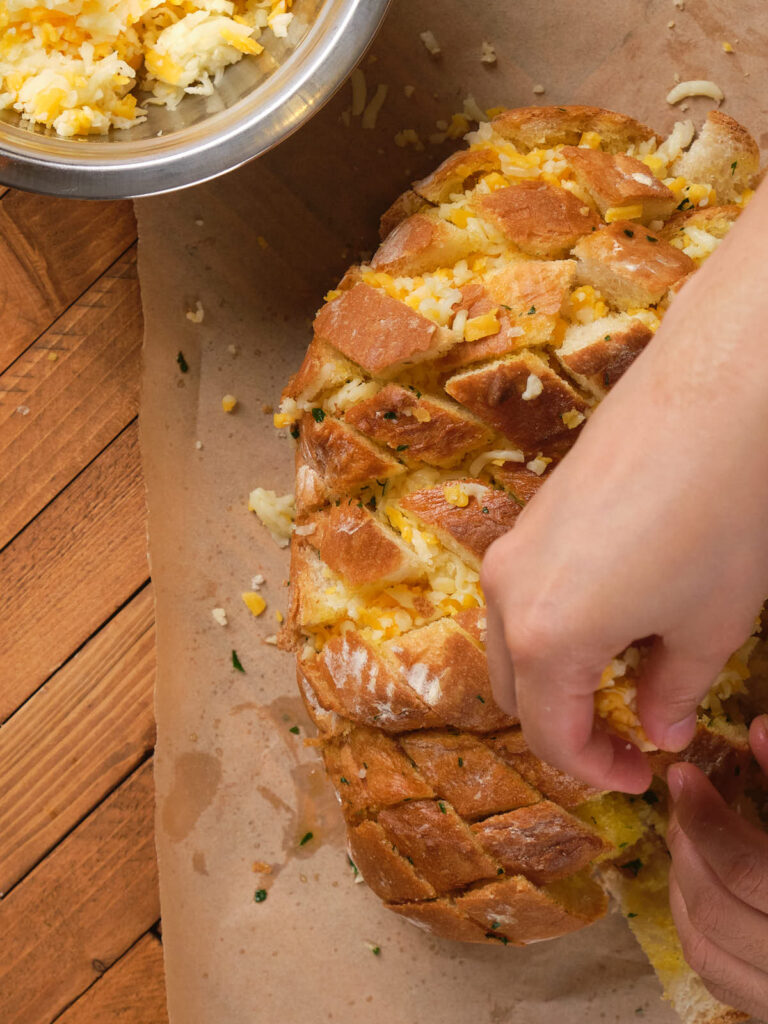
{"x": 82, "y": 908}
{"x": 131, "y": 992}
{"x": 71, "y": 568}
{"x": 51, "y": 250}
{"x": 69, "y": 394}
{"x": 76, "y": 738}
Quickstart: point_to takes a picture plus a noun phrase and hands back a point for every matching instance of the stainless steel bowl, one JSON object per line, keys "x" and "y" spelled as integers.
{"x": 259, "y": 102}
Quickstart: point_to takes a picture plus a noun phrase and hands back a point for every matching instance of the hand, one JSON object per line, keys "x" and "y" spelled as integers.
{"x": 718, "y": 887}
{"x": 655, "y": 524}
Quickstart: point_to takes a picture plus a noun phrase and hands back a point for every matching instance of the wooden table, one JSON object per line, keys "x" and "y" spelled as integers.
{"x": 79, "y": 912}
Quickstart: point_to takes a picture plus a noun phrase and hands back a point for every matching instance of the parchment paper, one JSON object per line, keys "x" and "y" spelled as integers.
{"x": 234, "y": 785}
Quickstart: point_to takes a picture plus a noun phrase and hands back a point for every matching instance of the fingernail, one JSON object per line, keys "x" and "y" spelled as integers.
{"x": 677, "y": 736}
{"x": 761, "y": 724}
{"x": 675, "y": 781}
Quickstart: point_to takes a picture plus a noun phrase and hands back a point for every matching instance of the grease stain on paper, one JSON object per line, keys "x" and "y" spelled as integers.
{"x": 196, "y": 778}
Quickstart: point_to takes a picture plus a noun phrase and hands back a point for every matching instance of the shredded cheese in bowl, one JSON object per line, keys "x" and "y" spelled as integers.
{"x": 75, "y": 65}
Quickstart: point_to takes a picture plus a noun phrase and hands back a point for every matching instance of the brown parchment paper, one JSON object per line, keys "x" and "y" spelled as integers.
{"x": 234, "y": 785}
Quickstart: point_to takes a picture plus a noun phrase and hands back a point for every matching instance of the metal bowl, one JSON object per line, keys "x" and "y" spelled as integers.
{"x": 260, "y": 101}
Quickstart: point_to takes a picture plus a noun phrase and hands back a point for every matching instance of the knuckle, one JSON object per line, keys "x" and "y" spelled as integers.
{"x": 746, "y": 877}
{"x": 699, "y": 954}
{"x": 705, "y": 912}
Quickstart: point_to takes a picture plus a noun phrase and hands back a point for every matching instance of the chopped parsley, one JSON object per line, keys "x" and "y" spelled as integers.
{"x": 481, "y": 698}
{"x": 499, "y": 871}
{"x": 629, "y": 233}
{"x": 236, "y": 663}
{"x": 631, "y": 914}
{"x": 352, "y": 864}
{"x": 260, "y": 895}
{"x": 650, "y": 238}
{"x": 461, "y": 762}
{"x": 376, "y": 950}
{"x": 734, "y": 165}
{"x": 183, "y": 364}
{"x": 686, "y": 204}
{"x": 306, "y": 838}
{"x": 318, "y": 415}
{"x": 294, "y": 729}
{"x": 295, "y": 432}
{"x": 607, "y": 337}
{"x": 633, "y": 866}
{"x": 401, "y": 448}
{"x": 499, "y": 938}
{"x": 495, "y": 925}
{"x": 344, "y": 779}
{"x": 485, "y": 510}
{"x": 531, "y": 311}
{"x": 441, "y": 805}
{"x": 390, "y": 415}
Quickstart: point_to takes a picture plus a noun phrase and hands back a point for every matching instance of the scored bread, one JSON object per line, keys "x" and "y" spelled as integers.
{"x": 446, "y": 379}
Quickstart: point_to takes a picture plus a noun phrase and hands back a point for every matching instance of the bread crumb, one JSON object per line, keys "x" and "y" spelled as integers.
{"x": 271, "y": 640}
{"x": 371, "y": 112}
{"x": 727, "y": 48}
{"x": 267, "y": 409}
{"x": 539, "y": 90}
{"x": 199, "y": 221}
{"x": 22, "y": 410}
{"x": 199, "y": 445}
{"x": 359, "y": 92}
{"x": 409, "y": 90}
{"x": 488, "y": 53}
{"x": 232, "y": 349}
{"x": 679, "y": 4}
{"x": 261, "y": 867}
{"x": 219, "y": 616}
{"x": 197, "y": 314}
{"x": 263, "y": 243}
{"x": 431, "y": 43}
{"x": 409, "y": 137}
{"x": 257, "y": 581}
{"x": 228, "y": 403}
{"x": 670, "y": 24}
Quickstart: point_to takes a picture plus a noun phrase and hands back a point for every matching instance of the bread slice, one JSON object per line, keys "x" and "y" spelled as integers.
{"x": 445, "y": 382}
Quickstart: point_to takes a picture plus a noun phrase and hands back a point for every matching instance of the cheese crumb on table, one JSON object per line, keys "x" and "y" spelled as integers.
{"x": 430, "y": 42}
{"x": 219, "y": 616}
{"x": 539, "y": 90}
{"x": 254, "y": 602}
{"x": 228, "y": 403}
{"x": 197, "y": 314}
{"x": 488, "y": 53}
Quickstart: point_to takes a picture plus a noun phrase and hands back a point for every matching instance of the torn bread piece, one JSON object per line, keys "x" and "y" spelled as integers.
{"x": 615, "y": 181}
{"x": 420, "y": 244}
{"x": 724, "y": 156}
{"x": 404, "y": 206}
{"x": 457, "y": 173}
{"x": 596, "y": 355}
{"x": 545, "y": 127}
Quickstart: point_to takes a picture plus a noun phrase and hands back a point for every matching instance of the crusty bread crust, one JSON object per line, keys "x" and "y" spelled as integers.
{"x": 534, "y": 127}
{"x": 457, "y": 173}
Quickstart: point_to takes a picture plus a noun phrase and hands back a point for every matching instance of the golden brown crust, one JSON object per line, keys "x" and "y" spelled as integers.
{"x": 341, "y": 458}
{"x": 469, "y": 530}
{"x": 533, "y": 292}
{"x": 619, "y": 180}
{"x": 370, "y": 771}
{"x": 322, "y": 368}
{"x": 418, "y": 426}
{"x": 421, "y": 244}
{"x": 542, "y": 842}
{"x": 724, "y": 758}
{"x": 442, "y": 918}
{"x": 561, "y": 788}
{"x": 385, "y": 870}
{"x": 521, "y": 912}
{"x": 541, "y": 220}
{"x": 521, "y": 483}
{"x": 353, "y": 543}
{"x": 377, "y": 332}
{"x": 596, "y": 355}
{"x": 438, "y": 842}
{"x": 457, "y": 173}
{"x": 404, "y": 206}
{"x": 630, "y": 264}
{"x": 716, "y": 220}
{"x": 446, "y": 667}
{"x": 495, "y": 392}
{"x": 544, "y": 127}
{"x": 463, "y": 771}
{"x": 724, "y": 155}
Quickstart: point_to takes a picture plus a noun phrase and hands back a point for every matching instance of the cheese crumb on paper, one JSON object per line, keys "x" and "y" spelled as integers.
{"x": 197, "y": 314}
{"x": 219, "y": 616}
{"x": 430, "y": 42}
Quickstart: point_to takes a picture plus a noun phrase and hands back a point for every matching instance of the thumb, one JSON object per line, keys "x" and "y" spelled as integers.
{"x": 758, "y": 740}
{"x": 672, "y": 684}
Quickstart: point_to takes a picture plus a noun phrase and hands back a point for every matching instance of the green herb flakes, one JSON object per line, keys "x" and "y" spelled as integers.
{"x": 441, "y": 805}
{"x": 629, "y": 233}
{"x": 631, "y": 914}
{"x": 306, "y": 838}
{"x": 481, "y": 698}
{"x": 390, "y": 415}
{"x": 461, "y": 762}
{"x": 401, "y": 448}
{"x": 318, "y": 415}
{"x": 294, "y": 729}
{"x": 183, "y": 364}
{"x": 734, "y": 165}
{"x": 236, "y": 663}
{"x": 376, "y": 950}
{"x": 295, "y": 433}
{"x": 344, "y": 780}
{"x": 531, "y": 311}
{"x": 634, "y": 866}
{"x": 260, "y": 895}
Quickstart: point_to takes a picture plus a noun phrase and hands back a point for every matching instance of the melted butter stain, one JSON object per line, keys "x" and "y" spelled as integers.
{"x": 196, "y": 779}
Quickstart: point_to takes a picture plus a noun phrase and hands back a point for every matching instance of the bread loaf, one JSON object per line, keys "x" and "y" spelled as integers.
{"x": 445, "y": 381}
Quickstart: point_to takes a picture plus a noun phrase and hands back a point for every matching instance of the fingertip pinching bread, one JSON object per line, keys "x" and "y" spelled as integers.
{"x": 445, "y": 380}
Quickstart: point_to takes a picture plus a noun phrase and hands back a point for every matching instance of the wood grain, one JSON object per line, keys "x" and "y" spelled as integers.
{"x": 51, "y": 251}
{"x": 71, "y": 569}
{"x": 76, "y": 738}
{"x": 69, "y": 394}
{"x": 131, "y": 992}
{"x": 82, "y": 908}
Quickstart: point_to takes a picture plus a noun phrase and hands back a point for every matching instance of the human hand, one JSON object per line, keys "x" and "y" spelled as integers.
{"x": 653, "y": 525}
{"x": 718, "y": 887}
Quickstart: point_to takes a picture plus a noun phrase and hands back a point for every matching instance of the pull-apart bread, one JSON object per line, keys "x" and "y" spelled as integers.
{"x": 445, "y": 380}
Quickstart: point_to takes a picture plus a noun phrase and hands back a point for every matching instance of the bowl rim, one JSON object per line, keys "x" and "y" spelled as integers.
{"x": 318, "y": 66}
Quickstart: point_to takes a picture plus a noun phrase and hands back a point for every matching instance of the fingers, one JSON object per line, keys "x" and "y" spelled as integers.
{"x": 712, "y": 910}
{"x": 735, "y": 851}
{"x": 499, "y": 663}
{"x": 672, "y": 686}
{"x": 758, "y": 740}
{"x": 727, "y": 977}
{"x": 556, "y": 707}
